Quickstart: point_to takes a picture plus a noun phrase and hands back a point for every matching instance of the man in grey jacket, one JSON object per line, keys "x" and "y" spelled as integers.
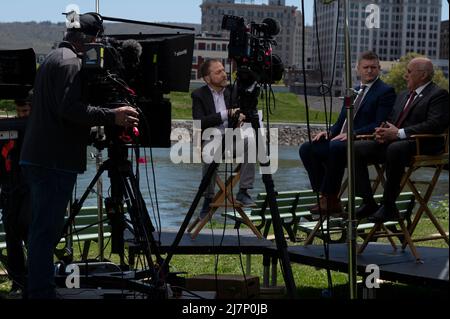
{"x": 54, "y": 148}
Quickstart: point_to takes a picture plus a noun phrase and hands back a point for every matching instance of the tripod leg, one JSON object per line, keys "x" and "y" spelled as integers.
{"x": 76, "y": 207}
{"x": 142, "y": 224}
{"x": 203, "y": 185}
{"x": 279, "y": 236}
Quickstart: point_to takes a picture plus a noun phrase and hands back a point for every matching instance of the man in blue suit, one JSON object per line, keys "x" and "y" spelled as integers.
{"x": 325, "y": 158}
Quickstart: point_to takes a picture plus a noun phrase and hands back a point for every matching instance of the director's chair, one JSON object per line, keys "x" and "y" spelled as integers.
{"x": 224, "y": 198}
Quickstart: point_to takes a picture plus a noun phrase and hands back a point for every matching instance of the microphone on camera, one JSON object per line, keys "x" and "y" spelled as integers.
{"x": 131, "y": 52}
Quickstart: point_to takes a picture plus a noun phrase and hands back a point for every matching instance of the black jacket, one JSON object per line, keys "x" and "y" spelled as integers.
{"x": 59, "y": 123}
{"x": 203, "y": 107}
{"x": 428, "y": 114}
{"x": 374, "y": 109}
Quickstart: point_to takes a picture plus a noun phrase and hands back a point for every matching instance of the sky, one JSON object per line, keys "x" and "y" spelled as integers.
{"x": 144, "y": 10}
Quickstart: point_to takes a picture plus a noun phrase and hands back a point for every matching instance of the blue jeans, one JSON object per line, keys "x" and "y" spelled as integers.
{"x": 50, "y": 192}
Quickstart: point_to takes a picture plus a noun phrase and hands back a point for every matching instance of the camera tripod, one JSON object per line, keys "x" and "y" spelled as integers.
{"x": 248, "y": 97}
{"x": 125, "y": 189}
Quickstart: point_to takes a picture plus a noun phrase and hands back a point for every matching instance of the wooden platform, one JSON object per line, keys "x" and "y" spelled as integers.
{"x": 214, "y": 242}
{"x": 395, "y": 266}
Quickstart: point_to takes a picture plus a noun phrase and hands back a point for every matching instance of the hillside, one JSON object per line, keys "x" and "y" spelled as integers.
{"x": 42, "y": 36}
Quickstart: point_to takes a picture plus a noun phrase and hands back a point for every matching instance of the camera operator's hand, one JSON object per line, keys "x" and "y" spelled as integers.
{"x": 126, "y": 116}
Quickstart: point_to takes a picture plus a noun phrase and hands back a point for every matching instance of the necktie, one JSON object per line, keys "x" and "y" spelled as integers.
{"x": 405, "y": 110}
{"x": 356, "y": 105}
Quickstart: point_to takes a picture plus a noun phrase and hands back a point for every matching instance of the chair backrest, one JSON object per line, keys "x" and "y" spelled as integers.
{"x": 420, "y": 159}
{"x": 287, "y": 202}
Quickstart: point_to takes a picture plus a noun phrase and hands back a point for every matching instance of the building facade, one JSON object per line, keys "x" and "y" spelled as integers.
{"x": 400, "y": 27}
{"x": 209, "y": 46}
{"x": 443, "y": 49}
{"x": 214, "y": 10}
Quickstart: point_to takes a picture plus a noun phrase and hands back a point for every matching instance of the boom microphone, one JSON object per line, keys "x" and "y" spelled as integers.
{"x": 131, "y": 52}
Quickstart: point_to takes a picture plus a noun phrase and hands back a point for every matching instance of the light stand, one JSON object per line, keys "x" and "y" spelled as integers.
{"x": 98, "y": 163}
{"x": 352, "y": 222}
{"x": 348, "y": 103}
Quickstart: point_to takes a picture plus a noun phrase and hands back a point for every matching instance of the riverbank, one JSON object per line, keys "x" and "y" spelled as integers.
{"x": 289, "y": 134}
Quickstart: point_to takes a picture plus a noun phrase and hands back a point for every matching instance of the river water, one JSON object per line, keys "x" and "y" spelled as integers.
{"x": 177, "y": 184}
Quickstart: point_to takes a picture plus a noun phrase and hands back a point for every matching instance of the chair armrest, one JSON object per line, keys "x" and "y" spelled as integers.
{"x": 418, "y": 137}
{"x": 364, "y": 137}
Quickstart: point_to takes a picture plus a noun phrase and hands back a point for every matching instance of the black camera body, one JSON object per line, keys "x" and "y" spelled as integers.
{"x": 138, "y": 70}
{"x": 251, "y": 47}
{"x": 103, "y": 71}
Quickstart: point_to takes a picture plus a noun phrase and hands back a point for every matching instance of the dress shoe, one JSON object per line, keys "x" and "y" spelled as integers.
{"x": 328, "y": 205}
{"x": 366, "y": 210}
{"x": 384, "y": 214}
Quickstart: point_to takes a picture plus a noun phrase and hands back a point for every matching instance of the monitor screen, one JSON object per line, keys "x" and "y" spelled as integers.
{"x": 17, "y": 73}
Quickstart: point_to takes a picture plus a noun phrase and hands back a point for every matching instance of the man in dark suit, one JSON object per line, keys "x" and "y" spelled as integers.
{"x": 212, "y": 105}
{"x": 422, "y": 109}
{"x": 325, "y": 158}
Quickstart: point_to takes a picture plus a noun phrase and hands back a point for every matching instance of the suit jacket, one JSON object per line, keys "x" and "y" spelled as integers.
{"x": 374, "y": 109}
{"x": 203, "y": 107}
{"x": 428, "y": 114}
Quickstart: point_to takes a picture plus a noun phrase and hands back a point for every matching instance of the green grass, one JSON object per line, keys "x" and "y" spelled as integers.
{"x": 288, "y": 108}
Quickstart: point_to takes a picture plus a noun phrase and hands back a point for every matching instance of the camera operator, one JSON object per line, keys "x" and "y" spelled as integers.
{"x": 15, "y": 204}
{"x": 212, "y": 105}
{"x": 54, "y": 149}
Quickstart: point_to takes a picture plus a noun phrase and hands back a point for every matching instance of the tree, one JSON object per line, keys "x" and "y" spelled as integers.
{"x": 395, "y": 76}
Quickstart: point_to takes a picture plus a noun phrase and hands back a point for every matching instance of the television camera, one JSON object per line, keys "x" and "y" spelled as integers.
{"x": 137, "y": 70}
{"x": 251, "y": 47}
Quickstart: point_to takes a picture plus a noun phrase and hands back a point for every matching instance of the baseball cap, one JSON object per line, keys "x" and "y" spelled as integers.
{"x": 91, "y": 23}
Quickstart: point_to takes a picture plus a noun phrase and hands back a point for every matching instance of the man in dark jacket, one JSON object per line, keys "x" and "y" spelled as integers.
{"x": 422, "y": 109}
{"x": 54, "y": 149}
{"x": 212, "y": 105}
{"x": 326, "y": 158}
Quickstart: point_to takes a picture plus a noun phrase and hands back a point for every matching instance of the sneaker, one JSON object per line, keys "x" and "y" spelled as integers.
{"x": 205, "y": 207}
{"x": 244, "y": 199}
